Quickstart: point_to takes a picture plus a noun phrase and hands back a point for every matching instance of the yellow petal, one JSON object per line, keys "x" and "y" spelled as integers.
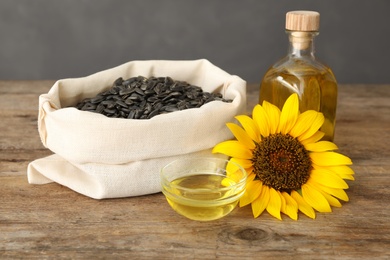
{"x": 317, "y": 123}
{"x": 249, "y": 171}
{"x": 302, "y": 205}
{"x": 250, "y": 127}
{"x": 235, "y": 177}
{"x": 343, "y": 171}
{"x": 304, "y": 122}
{"x": 289, "y": 114}
{"x": 322, "y": 146}
{"x": 329, "y": 159}
{"x": 235, "y": 171}
{"x": 253, "y": 190}
{"x": 274, "y": 204}
{"x": 283, "y": 200}
{"x": 228, "y": 182}
{"x": 243, "y": 162}
{"x": 315, "y": 199}
{"x": 232, "y": 167}
{"x": 314, "y": 138}
{"x": 273, "y": 113}
{"x": 328, "y": 178}
{"x": 332, "y": 200}
{"x": 233, "y": 148}
{"x": 338, "y": 193}
{"x": 241, "y": 135}
{"x": 259, "y": 204}
{"x": 251, "y": 177}
{"x": 346, "y": 176}
{"x": 261, "y": 119}
{"x": 291, "y": 208}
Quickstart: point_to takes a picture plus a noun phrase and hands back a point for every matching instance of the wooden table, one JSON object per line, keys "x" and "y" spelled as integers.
{"x": 52, "y": 221}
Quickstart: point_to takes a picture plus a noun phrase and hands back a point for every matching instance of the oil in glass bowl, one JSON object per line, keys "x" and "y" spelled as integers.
{"x": 202, "y": 188}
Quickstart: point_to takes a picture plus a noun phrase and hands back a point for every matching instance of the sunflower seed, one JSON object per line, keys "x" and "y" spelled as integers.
{"x": 143, "y": 98}
{"x": 126, "y": 91}
{"x": 121, "y": 103}
{"x": 89, "y": 106}
{"x": 97, "y": 99}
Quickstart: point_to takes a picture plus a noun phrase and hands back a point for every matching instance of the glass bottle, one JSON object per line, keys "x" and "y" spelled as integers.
{"x": 299, "y": 72}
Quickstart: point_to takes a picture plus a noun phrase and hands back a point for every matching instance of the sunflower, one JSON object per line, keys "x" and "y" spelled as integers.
{"x": 289, "y": 168}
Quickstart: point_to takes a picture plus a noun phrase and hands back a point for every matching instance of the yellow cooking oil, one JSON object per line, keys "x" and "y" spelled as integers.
{"x": 301, "y": 73}
{"x": 202, "y": 197}
{"x": 315, "y": 85}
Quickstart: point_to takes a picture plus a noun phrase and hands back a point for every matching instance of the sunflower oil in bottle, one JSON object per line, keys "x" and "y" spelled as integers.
{"x": 299, "y": 72}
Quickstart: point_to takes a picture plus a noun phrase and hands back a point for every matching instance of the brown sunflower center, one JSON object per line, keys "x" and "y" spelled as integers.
{"x": 281, "y": 162}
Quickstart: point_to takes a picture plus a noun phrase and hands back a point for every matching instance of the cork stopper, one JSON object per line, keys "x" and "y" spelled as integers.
{"x": 305, "y": 21}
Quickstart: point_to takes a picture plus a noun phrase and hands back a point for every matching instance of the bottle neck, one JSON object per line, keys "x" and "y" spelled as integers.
{"x": 301, "y": 43}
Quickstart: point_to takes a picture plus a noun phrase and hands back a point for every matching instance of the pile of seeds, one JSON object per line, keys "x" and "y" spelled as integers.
{"x": 144, "y": 98}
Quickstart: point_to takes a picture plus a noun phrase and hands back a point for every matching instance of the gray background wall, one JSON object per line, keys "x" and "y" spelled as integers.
{"x": 53, "y": 39}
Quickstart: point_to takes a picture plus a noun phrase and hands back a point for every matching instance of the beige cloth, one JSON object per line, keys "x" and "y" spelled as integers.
{"x": 103, "y": 157}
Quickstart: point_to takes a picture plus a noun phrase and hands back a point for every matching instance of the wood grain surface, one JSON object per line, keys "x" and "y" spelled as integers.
{"x": 53, "y": 222}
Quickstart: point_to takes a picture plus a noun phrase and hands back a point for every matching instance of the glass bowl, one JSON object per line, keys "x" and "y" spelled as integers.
{"x": 202, "y": 188}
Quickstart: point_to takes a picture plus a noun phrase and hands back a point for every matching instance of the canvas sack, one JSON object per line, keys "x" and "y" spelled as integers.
{"x": 104, "y": 157}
